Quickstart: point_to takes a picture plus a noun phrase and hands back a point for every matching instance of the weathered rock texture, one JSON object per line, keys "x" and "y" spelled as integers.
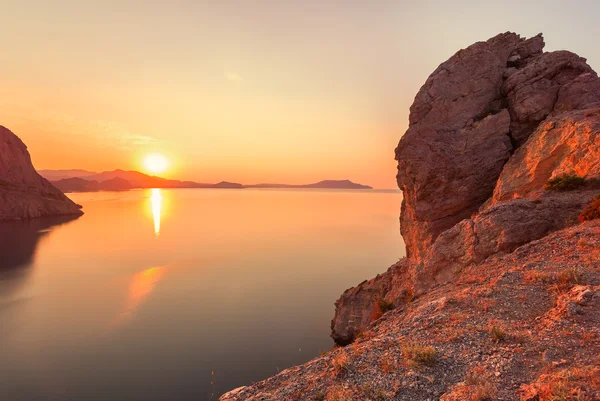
{"x": 23, "y": 192}
{"x": 468, "y": 118}
{"x": 486, "y": 132}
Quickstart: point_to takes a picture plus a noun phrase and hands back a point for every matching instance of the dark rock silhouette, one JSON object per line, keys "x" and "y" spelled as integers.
{"x": 56, "y": 175}
{"x": 118, "y": 180}
{"x": 23, "y": 192}
{"x": 325, "y": 184}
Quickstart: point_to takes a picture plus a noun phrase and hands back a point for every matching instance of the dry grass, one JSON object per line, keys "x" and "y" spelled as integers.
{"x": 479, "y": 387}
{"x": 574, "y": 384}
{"x": 374, "y": 394}
{"x": 338, "y": 393}
{"x": 497, "y": 333}
{"x": 341, "y": 364}
{"x": 382, "y": 306}
{"x": 476, "y": 387}
{"x": 418, "y": 355}
{"x": 560, "y": 281}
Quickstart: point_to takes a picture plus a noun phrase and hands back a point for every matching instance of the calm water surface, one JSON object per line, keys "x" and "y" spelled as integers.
{"x": 181, "y": 294}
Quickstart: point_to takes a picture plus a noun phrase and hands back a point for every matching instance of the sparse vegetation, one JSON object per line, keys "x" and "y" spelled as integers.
{"x": 419, "y": 355}
{"x": 319, "y": 397}
{"x": 565, "y": 182}
{"x": 374, "y": 394}
{"x": 479, "y": 387}
{"x": 408, "y": 295}
{"x": 338, "y": 393}
{"x": 569, "y": 384}
{"x": 340, "y": 364}
{"x": 498, "y": 334}
{"x": 591, "y": 211}
{"x": 560, "y": 281}
{"x": 380, "y": 308}
{"x": 385, "y": 306}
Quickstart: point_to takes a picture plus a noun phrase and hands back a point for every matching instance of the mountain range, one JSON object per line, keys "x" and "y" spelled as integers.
{"x": 120, "y": 180}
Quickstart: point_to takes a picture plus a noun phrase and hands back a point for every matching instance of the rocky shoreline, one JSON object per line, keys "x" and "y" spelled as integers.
{"x": 499, "y": 295}
{"x": 24, "y": 194}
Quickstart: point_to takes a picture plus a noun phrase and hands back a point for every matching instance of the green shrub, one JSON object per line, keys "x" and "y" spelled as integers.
{"x": 591, "y": 211}
{"x": 565, "y": 182}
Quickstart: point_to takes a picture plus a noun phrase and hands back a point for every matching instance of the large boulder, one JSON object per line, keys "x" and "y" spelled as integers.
{"x": 473, "y": 112}
{"x": 532, "y": 91}
{"x": 487, "y": 130}
{"x": 23, "y": 192}
{"x": 359, "y": 306}
{"x": 458, "y": 133}
{"x": 501, "y": 228}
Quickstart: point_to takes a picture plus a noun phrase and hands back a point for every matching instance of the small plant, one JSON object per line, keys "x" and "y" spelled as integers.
{"x": 380, "y": 308}
{"x": 565, "y": 182}
{"x": 591, "y": 211}
{"x": 419, "y": 355}
{"x": 341, "y": 364}
{"x": 374, "y": 394}
{"x": 571, "y": 275}
{"x": 338, "y": 393}
{"x": 408, "y": 295}
{"x": 580, "y": 383}
{"x": 559, "y": 281}
{"x": 319, "y": 397}
{"x": 385, "y": 306}
{"x": 479, "y": 387}
{"x": 497, "y": 333}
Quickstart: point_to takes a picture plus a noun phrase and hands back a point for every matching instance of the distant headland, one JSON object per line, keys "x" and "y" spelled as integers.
{"x": 77, "y": 180}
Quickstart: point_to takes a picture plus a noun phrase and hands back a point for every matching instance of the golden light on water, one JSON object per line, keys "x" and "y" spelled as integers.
{"x": 140, "y": 287}
{"x": 156, "y": 202}
{"x": 155, "y": 163}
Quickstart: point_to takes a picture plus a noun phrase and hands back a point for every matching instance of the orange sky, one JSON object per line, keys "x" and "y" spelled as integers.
{"x": 261, "y": 91}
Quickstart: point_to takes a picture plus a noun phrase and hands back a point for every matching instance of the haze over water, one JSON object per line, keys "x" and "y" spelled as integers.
{"x": 181, "y": 294}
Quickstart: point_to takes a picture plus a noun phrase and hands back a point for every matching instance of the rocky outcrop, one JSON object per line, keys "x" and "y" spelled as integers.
{"x": 359, "y": 306}
{"x": 532, "y": 90}
{"x": 488, "y": 129}
{"x": 566, "y": 144}
{"x": 495, "y": 332}
{"x": 498, "y": 295}
{"x": 473, "y": 112}
{"x": 24, "y": 193}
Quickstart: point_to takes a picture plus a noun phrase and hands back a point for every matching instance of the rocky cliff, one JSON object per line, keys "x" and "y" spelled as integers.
{"x": 488, "y": 129}
{"x": 23, "y": 192}
{"x": 499, "y": 295}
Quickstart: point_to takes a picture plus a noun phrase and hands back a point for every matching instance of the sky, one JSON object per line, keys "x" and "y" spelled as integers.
{"x": 249, "y": 91}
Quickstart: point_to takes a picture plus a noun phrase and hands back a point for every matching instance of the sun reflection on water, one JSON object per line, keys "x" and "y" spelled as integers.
{"x": 156, "y": 201}
{"x": 140, "y": 286}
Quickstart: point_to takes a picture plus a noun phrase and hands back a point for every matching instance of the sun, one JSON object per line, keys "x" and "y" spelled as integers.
{"x": 155, "y": 163}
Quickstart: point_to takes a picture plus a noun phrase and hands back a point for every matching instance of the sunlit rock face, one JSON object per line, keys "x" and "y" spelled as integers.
{"x": 473, "y": 113}
{"x": 487, "y": 130}
{"x": 23, "y": 192}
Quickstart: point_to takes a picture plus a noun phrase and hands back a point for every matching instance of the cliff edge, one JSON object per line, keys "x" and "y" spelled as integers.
{"x": 499, "y": 295}
{"x": 24, "y": 193}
